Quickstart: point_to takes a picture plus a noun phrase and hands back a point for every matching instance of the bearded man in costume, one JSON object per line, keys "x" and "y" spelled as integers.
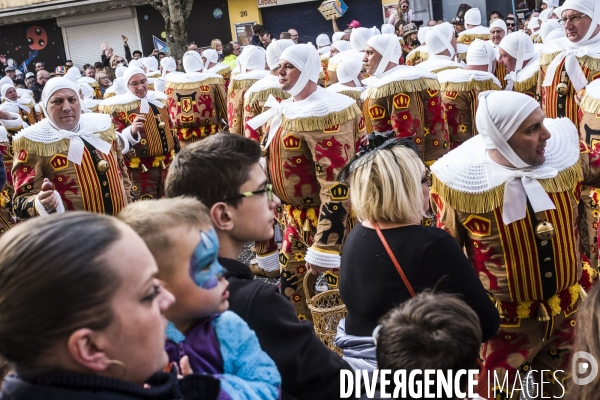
{"x": 510, "y": 196}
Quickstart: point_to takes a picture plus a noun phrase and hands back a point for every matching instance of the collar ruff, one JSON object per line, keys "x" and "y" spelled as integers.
{"x": 463, "y": 169}
{"x": 128, "y": 98}
{"x": 319, "y": 104}
{"x": 255, "y": 74}
{"x": 43, "y": 132}
{"x": 437, "y": 63}
{"x": 403, "y": 79}
{"x": 268, "y": 82}
{"x": 459, "y": 75}
{"x": 531, "y": 69}
{"x": 219, "y": 67}
{"x": 153, "y": 74}
{"x": 338, "y": 88}
{"x": 478, "y": 30}
{"x": 560, "y": 44}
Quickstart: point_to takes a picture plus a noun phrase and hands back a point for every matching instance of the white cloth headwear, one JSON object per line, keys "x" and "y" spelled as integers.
{"x": 498, "y": 117}
{"x": 150, "y": 96}
{"x": 439, "y": 39}
{"x": 534, "y": 23}
{"x": 323, "y": 40}
{"x": 252, "y": 57}
{"x": 306, "y": 58}
{"x": 421, "y": 34}
{"x": 73, "y": 74}
{"x": 555, "y": 34}
{"x": 348, "y": 70}
{"x": 472, "y": 17}
{"x": 519, "y": 45}
{"x": 375, "y": 31}
{"x": 192, "y": 61}
{"x": 337, "y": 36}
{"x": 151, "y": 63}
{"x": 342, "y": 45}
{"x": 481, "y": 52}
{"x": 118, "y": 86}
{"x": 87, "y": 90}
{"x": 168, "y": 64}
{"x": 387, "y": 28}
{"x": 545, "y": 14}
{"x": 557, "y": 11}
{"x": 159, "y": 85}
{"x": 547, "y": 27}
{"x": 574, "y": 50}
{"x": 551, "y": 3}
{"x": 499, "y": 24}
{"x": 359, "y": 38}
{"x": 76, "y": 145}
{"x": 274, "y": 51}
{"x": 6, "y": 80}
{"x": 211, "y": 56}
{"x": 120, "y": 70}
{"x": 389, "y": 48}
{"x": 136, "y": 63}
{"x": 5, "y": 87}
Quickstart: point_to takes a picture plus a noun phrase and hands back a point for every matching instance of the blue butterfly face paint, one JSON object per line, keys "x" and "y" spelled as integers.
{"x": 205, "y": 268}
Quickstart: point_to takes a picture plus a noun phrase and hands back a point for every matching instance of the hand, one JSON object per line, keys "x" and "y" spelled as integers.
{"x": 579, "y": 96}
{"x": 109, "y": 52}
{"x": 138, "y": 124}
{"x": 5, "y": 115}
{"x": 46, "y": 196}
{"x": 186, "y": 368}
{"x": 315, "y": 270}
{"x": 155, "y": 52}
{"x": 103, "y": 46}
{"x": 124, "y": 39}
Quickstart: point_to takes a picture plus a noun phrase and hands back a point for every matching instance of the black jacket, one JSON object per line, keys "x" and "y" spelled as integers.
{"x": 309, "y": 370}
{"x": 37, "y": 92}
{"x": 73, "y": 386}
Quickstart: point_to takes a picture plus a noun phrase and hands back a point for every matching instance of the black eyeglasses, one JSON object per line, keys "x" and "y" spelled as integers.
{"x": 120, "y": 62}
{"x": 373, "y": 144}
{"x": 268, "y": 190}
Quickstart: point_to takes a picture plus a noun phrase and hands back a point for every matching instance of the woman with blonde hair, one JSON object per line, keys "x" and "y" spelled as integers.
{"x": 216, "y": 45}
{"x": 389, "y": 192}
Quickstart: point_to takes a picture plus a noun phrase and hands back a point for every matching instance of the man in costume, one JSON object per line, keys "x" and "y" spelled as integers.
{"x": 498, "y": 31}
{"x": 213, "y": 66}
{"x": 473, "y": 28}
{"x": 521, "y": 62}
{"x": 252, "y": 69}
{"x": 257, "y": 94}
{"x": 350, "y": 73}
{"x": 12, "y": 102}
{"x": 461, "y": 87}
{"x": 441, "y": 47}
{"x": 510, "y": 195}
{"x": 142, "y": 120}
{"x": 311, "y": 137}
{"x": 68, "y": 161}
{"x": 196, "y": 100}
{"x": 404, "y": 99}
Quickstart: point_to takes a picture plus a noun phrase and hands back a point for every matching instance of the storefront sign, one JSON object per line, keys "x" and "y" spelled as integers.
{"x": 271, "y": 3}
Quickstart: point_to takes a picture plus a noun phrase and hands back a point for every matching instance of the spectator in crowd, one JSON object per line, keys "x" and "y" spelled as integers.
{"x": 98, "y": 66}
{"x": 498, "y": 30}
{"x": 117, "y": 60}
{"x": 29, "y": 79}
{"x": 230, "y": 54}
{"x": 265, "y": 38}
{"x": 94, "y": 327}
{"x": 352, "y": 25}
{"x": 399, "y": 27}
{"x": 293, "y": 35}
{"x": 161, "y": 55}
{"x": 40, "y": 65}
{"x": 309, "y": 370}
{"x": 587, "y": 340}
{"x": 107, "y": 53}
{"x": 216, "y": 45}
{"x": 68, "y": 64}
{"x": 402, "y": 12}
{"x": 103, "y": 80}
{"x": 41, "y": 79}
{"x": 432, "y": 22}
{"x": 493, "y": 15}
{"x": 61, "y": 70}
{"x": 429, "y": 332}
{"x": 389, "y": 192}
{"x": 136, "y": 53}
{"x": 285, "y": 35}
{"x": 510, "y": 25}
{"x": 11, "y": 72}
{"x": 180, "y": 235}
{"x": 255, "y": 39}
{"x": 90, "y": 72}
{"x": 193, "y": 46}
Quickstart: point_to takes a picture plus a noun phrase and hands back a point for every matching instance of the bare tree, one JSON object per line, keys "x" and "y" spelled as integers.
{"x": 176, "y": 14}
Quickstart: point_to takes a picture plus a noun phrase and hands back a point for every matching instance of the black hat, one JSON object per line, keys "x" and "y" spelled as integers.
{"x": 460, "y": 14}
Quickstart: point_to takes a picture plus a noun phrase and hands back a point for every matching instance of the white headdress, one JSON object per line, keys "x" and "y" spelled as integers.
{"x": 439, "y": 39}
{"x": 348, "y": 70}
{"x": 274, "y": 51}
{"x": 307, "y": 60}
{"x": 323, "y": 40}
{"x": 359, "y": 38}
{"x": 389, "y": 48}
{"x": 499, "y": 24}
{"x": 481, "y": 52}
{"x": 520, "y": 47}
{"x": 472, "y": 17}
{"x": 150, "y": 96}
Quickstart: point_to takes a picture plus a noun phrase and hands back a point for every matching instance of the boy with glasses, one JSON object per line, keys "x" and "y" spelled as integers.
{"x": 223, "y": 172}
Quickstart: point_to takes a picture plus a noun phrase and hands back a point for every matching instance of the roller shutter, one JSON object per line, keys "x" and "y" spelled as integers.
{"x": 84, "y": 34}
{"x": 308, "y": 21}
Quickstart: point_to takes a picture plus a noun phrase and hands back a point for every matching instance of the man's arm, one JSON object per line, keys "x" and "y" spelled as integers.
{"x": 335, "y": 25}
{"x": 127, "y": 49}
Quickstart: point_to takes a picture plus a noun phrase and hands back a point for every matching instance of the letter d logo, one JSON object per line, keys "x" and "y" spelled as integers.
{"x": 579, "y": 368}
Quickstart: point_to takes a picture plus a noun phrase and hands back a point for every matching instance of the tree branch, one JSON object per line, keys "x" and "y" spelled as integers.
{"x": 160, "y": 6}
{"x": 187, "y": 8}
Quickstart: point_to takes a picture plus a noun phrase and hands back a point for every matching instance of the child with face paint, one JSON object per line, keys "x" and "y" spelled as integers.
{"x": 218, "y": 342}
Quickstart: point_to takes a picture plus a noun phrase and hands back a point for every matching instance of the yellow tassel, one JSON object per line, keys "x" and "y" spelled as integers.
{"x": 332, "y": 67}
{"x": 480, "y": 203}
{"x": 50, "y": 149}
{"x": 309, "y": 124}
{"x": 435, "y": 71}
{"x": 296, "y": 214}
{"x": 194, "y": 85}
{"x": 134, "y": 105}
{"x": 353, "y": 94}
{"x": 240, "y": 84}
{"x": 524, "y": 309}
{"x": 411, "y": 57}
{"x": 473, "y": 84}
{"x": 590, "y": 105}
{"x": 157, "y": 160}
{"x": 311, "y": 214}
{"x": 527, "y": 84}
{"x": 554, "y": 305}
{"x": 393, "y": 88}
{"x": 467, "y": 39}
{"x": 263, "y": 95}
{"x": 134, "y": 162}
{"x": 542, "y": 313}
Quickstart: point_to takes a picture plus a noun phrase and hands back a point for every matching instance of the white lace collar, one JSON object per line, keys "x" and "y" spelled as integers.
{"x": 268, "y": 82}
{"x": 255, "y": 74}
{"x": 437, "y": 62}
{"x": 478, "y": 30}
{"x": 320, "y": 103}
{"x": 401, "y": 73}
{"x": 338, "y": 87}
{"x": 463, "y": 169}
{"x": 129, "y": 97}
{"x": 532, "y": 67}
{"x": 460, "y": 75}
{"x": 43, "y": 132}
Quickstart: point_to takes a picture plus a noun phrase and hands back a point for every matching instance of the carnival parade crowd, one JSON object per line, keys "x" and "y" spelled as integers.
{"x": 436, "y": 185}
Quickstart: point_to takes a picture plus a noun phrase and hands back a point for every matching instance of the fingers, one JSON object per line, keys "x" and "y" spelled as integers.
{"x": 186, "y": 368}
